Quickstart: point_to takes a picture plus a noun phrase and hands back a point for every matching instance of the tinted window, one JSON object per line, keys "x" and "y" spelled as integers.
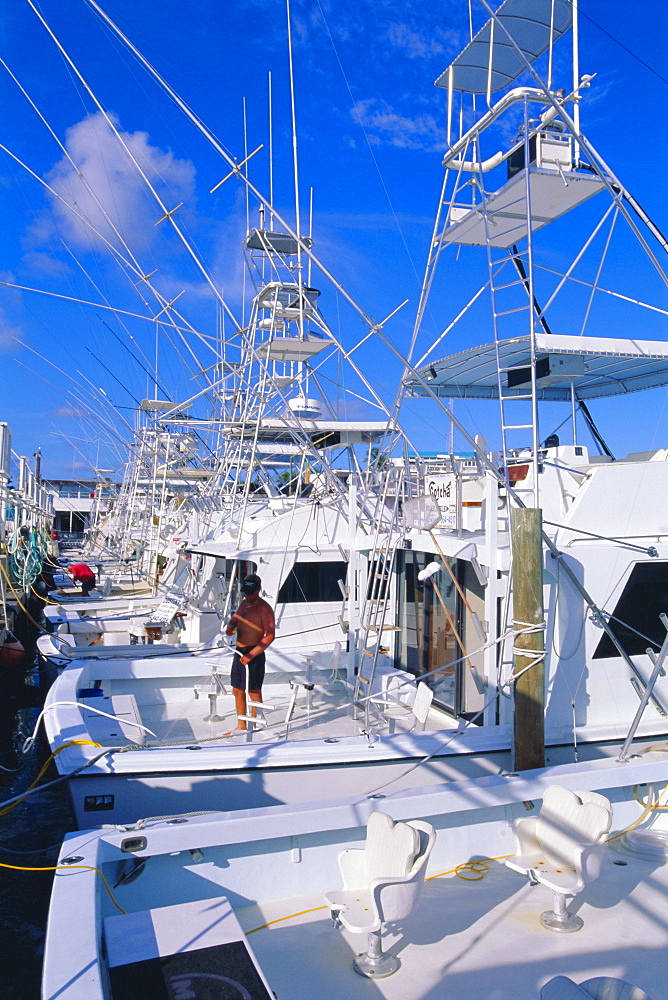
{"x": 643, "y": 599}
{"x": 313, "y": 582}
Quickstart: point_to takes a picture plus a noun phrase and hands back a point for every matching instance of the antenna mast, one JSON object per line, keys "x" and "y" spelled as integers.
{"x": 271, "y": 157}
{"x": 246, "y": 161}
{"x": 294, "y": 147}
{"x": 310, "y": 233}
{"x": 576, "y": 81}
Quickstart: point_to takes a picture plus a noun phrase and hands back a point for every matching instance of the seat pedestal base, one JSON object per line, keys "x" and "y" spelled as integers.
{"x": 372, "y": 964}
{"x": 564, "y": 923}
{"x": 375, "y": 968}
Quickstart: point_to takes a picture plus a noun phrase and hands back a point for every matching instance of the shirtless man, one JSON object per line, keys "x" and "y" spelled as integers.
{"x": 255, "y": 627}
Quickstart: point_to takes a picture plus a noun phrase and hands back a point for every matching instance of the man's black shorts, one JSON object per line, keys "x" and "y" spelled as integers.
{"x": 255, "y": 670}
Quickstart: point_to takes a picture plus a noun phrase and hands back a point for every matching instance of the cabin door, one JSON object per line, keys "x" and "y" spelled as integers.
{"x": 428, "y": 626}
{"x": 436, "y": 629}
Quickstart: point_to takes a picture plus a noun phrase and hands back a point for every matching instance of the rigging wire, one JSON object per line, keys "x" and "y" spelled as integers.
{"x": 629, "y": 51}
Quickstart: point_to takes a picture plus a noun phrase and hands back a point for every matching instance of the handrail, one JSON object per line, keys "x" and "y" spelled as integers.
{"x": 516, "y": 94}
{"x": 658, "y": 670}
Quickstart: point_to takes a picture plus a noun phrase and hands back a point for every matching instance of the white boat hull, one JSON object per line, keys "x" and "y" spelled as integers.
{"x": 475, "y": 938}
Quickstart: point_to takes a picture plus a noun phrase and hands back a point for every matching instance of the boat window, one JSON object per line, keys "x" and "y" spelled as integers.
{"x": 635, "y": 620}
{"x": 235, "y": 570}
{"x": 216, "y": 584}
{"x": 181, "y": 574}
{"x": 313, "y": 583}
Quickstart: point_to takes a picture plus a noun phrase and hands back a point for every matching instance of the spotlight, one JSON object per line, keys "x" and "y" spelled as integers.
{"x": 432, "y": 372}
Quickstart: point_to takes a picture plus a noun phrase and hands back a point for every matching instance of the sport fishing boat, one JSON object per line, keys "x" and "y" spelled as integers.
{"x": 299, "y": 539}
{"x": 397, "y": 585}
{"x": 136, "y": 548}
{"x": 434, "y": 892}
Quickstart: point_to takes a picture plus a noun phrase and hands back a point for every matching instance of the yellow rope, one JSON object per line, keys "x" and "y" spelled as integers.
{"x": 9, "y": 581}
{"x": 3, "y": 812}
{"x": 45, "y": 599}
{"x": 478, "y": 868}
{"x": 289, "y": 917}
{"x": 55, "y": 868}
{"x": 646, "y": 805}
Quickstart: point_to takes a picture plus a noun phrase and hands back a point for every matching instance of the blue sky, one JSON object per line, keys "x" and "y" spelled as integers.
{"x": 371, "y": 139}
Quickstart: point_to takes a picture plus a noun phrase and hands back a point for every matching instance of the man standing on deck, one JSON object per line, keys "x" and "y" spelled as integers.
{"x": 255, "y": 627}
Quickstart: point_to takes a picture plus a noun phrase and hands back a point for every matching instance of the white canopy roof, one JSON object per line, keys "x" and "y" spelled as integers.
{"x": 596, "y": 366}
{"x": 529, "y": 23}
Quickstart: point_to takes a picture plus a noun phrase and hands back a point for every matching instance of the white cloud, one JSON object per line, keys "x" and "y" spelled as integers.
{"x": 44, "y": 263}
{"x": 106, "y": 188}
{"x": 8, "y": 332}
{"x": 383, "y": 124}
{"x": 412, "y": 43}
{"x": 66, "y": 412}
{"x": 228, "y": 263}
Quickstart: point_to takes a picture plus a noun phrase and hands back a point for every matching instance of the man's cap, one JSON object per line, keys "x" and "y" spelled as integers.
{"x": 251, "y": 583}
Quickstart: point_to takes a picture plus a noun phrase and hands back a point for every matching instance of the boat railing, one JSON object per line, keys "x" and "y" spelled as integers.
{"x": 657, "y": 671}
{"x": 68, "y": 537}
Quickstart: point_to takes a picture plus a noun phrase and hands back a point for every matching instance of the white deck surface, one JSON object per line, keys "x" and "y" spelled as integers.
{"x": 185, "y": 720}
{"x": 477, "y": 940}
{"x": 330, "y": 715}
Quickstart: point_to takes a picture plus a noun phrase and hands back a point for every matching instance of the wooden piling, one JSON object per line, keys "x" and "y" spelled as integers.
{"x": 529, "y": 724}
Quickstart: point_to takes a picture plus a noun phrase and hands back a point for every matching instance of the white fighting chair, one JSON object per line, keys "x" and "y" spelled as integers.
{"x": 381, "y": 883}
{"x": 599, "y": 988}
{"x": 398, "y": 711}
{"x": 317, "y": 662}
{"x": 562, "y": 847}
{"x": 308, "y": 684}
{"x": 214, "y": 688}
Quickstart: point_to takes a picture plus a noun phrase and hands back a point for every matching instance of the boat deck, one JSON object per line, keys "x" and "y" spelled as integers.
{"x": 476, "y": 940}
{"x": 475, "y": 933}
{"x": 329, "y": 716}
